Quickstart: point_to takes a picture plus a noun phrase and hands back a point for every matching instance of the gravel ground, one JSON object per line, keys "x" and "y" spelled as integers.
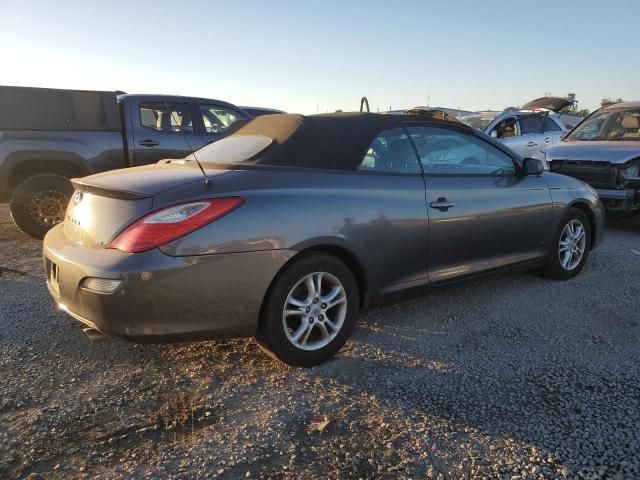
{"x": 513, "y": 376}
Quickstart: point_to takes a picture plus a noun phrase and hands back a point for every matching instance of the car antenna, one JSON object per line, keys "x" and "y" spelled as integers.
{"x": 193, "y": 152}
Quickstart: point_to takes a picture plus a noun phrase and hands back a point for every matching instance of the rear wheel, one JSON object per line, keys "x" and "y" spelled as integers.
{"x": 310, "y": 311}
{"x": 39, "y": 203}
{"x": 571, "y": 246}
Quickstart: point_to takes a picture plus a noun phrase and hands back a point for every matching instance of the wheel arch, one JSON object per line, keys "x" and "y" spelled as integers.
{"x": 30, "y": 164}
{"x": 342, "y": 253}
{"x": 586, "y": 209}
{"x": 350, "y": 259}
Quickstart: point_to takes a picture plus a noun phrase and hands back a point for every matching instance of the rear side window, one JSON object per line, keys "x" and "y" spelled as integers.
{"x": 391, "y": 151}
{"x": 449, "y": 152}
{"x": 549, "y": 125}
{"x": 529, "y": 125}
{"x": 155, "y": 115}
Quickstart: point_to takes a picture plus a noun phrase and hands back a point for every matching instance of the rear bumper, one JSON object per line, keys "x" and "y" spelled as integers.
{"x": 162, "y": 297}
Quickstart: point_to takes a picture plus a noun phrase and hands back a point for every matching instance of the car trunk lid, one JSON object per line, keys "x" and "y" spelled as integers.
{"x": 106, "y": 203}
{"x": 144, "y": 181}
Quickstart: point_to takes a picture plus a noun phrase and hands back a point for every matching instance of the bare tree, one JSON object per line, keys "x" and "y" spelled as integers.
{"x": 573, "y": 108}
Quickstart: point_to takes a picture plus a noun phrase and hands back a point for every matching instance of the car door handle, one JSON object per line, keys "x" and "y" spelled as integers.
{"x": 442, "y": 204}
{"x": 531, "y": 144}
{"x": 547, "y": 140}
{"x": 148, "y": 143}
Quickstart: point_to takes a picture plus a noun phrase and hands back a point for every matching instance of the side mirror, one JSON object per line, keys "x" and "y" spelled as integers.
{"x": 533, "y": 166}
{"x": 494, "y": 134}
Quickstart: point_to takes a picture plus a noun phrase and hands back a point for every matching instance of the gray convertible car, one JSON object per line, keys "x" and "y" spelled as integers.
{"x": 290, "y": 225}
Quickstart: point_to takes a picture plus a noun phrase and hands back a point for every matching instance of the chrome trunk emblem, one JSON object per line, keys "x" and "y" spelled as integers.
{"x": 77, "y": 197}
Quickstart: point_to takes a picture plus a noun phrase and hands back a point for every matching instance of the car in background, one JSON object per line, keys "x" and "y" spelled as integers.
{"x": 259, "y": 111}
{"x": 479, "y": 120}
{"x": 48, "y": 136}
{"x": 558, "y": 107}
{"x": 604, "y": 151}
{"x": 526, "y": 133}
{"x": 535, "y": 126}
{"x": 289, "y": 225}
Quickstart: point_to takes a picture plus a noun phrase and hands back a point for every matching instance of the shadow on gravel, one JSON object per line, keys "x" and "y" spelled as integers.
{"x": 557, "y": 392}
{"x": 624, "y": 224}
{"x": 484, "y": 377}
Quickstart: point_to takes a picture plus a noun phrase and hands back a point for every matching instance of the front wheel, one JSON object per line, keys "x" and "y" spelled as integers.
{"x": 310, "y": 311}
{"x": 571, "y": 246}
{"x": 39, "y": 203}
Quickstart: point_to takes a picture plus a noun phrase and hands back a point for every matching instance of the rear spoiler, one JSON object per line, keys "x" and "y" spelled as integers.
{"x": 81, "y": 186}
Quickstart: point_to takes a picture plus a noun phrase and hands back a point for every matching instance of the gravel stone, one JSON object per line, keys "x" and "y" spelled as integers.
{"x": 512, "y": 376}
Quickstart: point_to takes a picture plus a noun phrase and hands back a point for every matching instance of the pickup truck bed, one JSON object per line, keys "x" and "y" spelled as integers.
{"x": 48, "y": 136}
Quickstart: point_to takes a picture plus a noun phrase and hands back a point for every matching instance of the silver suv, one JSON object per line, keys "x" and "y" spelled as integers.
{"x": 527, "y": 131}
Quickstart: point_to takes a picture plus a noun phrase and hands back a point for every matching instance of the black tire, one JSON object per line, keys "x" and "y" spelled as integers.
{"x": 554, "y": 268}
{"x": 271, "y": 333}
{"x": 27, "y": 205}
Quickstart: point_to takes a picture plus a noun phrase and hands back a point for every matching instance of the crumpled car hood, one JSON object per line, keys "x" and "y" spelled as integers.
{"x": 617, "y": 152}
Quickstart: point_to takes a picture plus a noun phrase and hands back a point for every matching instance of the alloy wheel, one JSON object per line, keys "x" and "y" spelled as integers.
{"x": 573, "y": 241}
{"x": 314, "y": 311}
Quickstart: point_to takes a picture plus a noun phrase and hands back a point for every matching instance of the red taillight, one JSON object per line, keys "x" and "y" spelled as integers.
{"x": 168, "y": 224}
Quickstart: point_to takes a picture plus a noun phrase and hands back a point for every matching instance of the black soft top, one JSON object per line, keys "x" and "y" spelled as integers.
{"x": 332, "y": 141}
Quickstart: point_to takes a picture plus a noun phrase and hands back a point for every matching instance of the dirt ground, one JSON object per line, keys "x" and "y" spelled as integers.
{"x": 512, "y": 376}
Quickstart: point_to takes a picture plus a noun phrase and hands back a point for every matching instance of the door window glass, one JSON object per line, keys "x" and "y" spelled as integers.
{"x": 217, "y": 119}
{"x": 155, "y": 115}
{"x": 450, "y": 152}
{"x": 391, "y": 151}
{"x": 529, "y": 125}
{"x": 506, "y": 128}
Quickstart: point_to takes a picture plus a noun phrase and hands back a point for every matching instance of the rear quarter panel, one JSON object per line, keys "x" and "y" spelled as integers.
{"x": 380, "y": 219}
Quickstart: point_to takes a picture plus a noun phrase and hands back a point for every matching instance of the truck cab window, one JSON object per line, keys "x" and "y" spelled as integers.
{"x": 217, "y": 119}
{"x": 155, "y": 115}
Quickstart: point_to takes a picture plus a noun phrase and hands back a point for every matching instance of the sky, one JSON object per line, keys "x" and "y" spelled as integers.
{"x": 318, "y": 56}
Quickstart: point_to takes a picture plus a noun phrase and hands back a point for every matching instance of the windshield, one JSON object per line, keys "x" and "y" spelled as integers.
{"x": 609, "y": 125}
